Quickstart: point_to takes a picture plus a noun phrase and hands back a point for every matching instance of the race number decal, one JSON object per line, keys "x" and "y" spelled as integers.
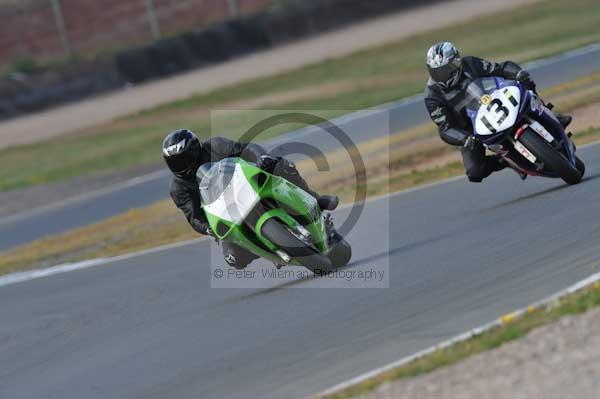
{"x": 498, "y": 111}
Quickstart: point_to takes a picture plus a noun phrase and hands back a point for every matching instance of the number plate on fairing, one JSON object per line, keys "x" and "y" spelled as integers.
{"x": 498, "y": 111}
{"x": 525, "y": 152}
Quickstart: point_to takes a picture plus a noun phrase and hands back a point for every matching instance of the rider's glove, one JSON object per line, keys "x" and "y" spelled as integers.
{"x": 203, "y": 228}
{"x": 524, "y": 78}
{"x": 267, "y": 163}
{"x": 454, "y": 136}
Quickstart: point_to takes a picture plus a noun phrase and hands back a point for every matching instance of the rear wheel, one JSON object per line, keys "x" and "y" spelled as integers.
{"x": 280, "y": 235}
{"x": 552, "y": 159}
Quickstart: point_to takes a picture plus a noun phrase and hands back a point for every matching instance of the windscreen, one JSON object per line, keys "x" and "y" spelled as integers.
{"x": 214, "y": 178}
{"x": 476, "y": 90}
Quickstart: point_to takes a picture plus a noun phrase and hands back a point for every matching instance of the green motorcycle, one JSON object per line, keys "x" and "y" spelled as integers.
{"x": 269, "y": 216}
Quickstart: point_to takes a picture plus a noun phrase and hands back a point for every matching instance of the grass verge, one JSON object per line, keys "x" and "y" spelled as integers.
{"x": 360, "y": 80}
{"x": 510, "y": 330}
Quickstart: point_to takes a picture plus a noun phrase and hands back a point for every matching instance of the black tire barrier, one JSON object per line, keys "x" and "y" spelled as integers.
{"x": 251, "y": 31}
{"x": 217, "y": 43}
{"x": 225, "y": 38}
{"x": 34, "y": 93}
{"x": 228, "y": 39}
{"x": 285, "y": 25}
{"x": 205, "y": 46}
{"x": 170, "y": 56}
{"x": 135, "y": 65}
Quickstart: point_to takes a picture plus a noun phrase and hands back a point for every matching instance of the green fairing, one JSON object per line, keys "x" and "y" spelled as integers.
{"x": 291, "y": 198}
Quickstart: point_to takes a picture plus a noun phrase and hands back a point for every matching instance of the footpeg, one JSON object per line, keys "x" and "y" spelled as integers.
{"x": 549, "y": 106}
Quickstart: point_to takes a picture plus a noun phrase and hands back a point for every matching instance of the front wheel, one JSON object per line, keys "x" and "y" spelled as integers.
{"x": 580, "y": 165}
{"x": 551, "y": 158}
{"x": 340, "y": 252}
{"x": 279, "y": 234}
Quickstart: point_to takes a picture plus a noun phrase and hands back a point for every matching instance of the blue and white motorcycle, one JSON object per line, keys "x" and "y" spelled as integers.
{"x": 514, "y": 123}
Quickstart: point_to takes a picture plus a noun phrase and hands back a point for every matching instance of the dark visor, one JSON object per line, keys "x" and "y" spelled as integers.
{"x": 180, "y": 162}
{"x": 444, "y": 73}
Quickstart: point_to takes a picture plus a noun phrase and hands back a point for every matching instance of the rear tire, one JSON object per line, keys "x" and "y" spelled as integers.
{"x": 278, "y": 233}
{"x": 551, "y": 158}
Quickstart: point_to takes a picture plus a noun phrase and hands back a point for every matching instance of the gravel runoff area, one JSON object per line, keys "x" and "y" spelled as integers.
{"x": 72, "y": 117}
{"x": 557, "y": 361}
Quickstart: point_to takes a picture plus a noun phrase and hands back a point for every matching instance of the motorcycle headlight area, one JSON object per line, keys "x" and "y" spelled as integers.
{"x": 236, "y": 201}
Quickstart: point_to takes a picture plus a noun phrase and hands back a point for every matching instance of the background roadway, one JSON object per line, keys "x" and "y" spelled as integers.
{"x": 460, "y": 254}
{"x": 25, "y": 227}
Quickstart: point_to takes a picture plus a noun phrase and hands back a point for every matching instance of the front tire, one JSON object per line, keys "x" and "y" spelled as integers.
{"x": 279, "y": 234}
{"x": 580, "y": 166}
{"x": 551, "y": 158}
{"x": 340, "y": 252}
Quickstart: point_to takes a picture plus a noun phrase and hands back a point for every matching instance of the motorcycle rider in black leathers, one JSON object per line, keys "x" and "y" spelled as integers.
{"x": 184, "y": 153}
{"x": 444, "y": 98}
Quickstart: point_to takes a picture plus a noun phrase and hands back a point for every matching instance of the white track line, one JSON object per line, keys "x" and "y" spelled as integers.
{"x": 507, "y": 318}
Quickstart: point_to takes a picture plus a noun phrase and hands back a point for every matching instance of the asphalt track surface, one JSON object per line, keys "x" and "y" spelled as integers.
{"x": 459, "y": 255}
{"x": 92, "y": 207}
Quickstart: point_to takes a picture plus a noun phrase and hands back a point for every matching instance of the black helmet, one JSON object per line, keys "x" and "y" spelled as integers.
{"x": 444, "y": 64}
{"x": 181, "y": 151}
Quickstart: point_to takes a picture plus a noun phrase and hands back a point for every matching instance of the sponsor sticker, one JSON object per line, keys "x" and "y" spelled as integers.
{"x": 486, "y": 99}
{"x": 542, "y": 131}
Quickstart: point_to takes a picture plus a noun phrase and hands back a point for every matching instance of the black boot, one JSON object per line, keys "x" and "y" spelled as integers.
{"x": 327, "y": 202}
{"x": 500, "y": 163}
{"x": 565, "y": 120}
